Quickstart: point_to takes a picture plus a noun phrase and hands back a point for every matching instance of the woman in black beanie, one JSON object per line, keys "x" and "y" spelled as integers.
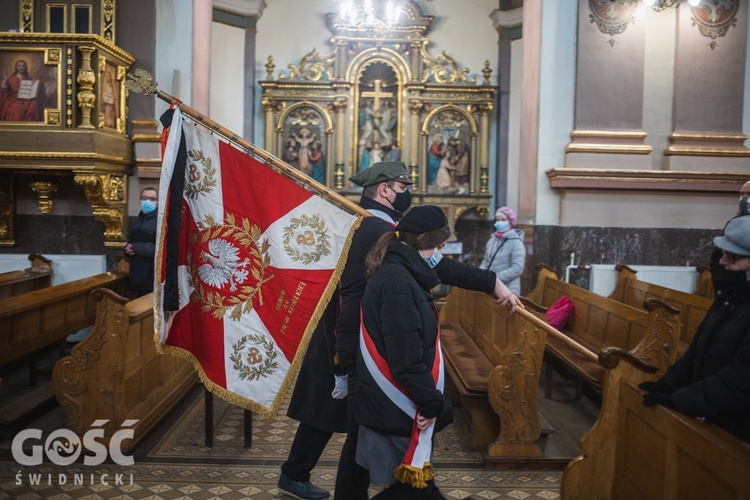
{"x": 399, "y": 400}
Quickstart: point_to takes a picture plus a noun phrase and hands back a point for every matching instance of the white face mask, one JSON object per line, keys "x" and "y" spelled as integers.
{"x": 434, "y": 259}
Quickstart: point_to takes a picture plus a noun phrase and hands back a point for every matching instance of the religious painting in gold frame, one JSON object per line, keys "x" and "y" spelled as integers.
{"x": 30, "y": 86}
{"x": 110, "y": 93}
{"x": 450, "y": 138}
{"x": 304, "y": 140}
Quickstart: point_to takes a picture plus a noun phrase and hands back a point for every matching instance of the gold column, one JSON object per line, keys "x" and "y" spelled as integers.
{"x": 340, "y": 60}
{"x": 484, "y": 147}
{"x": 414, "y": 60}
{"x": 339, "y": 104}
{"x": 415, "y": 106}
{"x": 268, "y": 105}
{"x": 86, "y": 80}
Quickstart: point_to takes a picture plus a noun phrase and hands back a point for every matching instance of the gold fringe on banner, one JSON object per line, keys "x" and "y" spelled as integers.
{"x": 143, "y": 82}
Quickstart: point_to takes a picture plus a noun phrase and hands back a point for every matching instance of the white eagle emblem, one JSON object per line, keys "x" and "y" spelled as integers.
{"x": 223, "y": 265}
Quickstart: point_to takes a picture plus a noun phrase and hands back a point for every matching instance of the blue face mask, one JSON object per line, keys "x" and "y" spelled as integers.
{"x": 434, "y": 259}
{"x": 502, "y": 225}
{"x": 148, "y": 206}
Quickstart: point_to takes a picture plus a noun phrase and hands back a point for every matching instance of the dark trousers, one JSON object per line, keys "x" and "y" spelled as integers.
{"x": 401, "y": 491}
{"x": 352, "y": 480}
{"x": 307, "y": 447}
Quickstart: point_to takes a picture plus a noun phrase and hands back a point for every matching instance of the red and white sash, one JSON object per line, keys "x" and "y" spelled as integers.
{"x": 415, "y": 468}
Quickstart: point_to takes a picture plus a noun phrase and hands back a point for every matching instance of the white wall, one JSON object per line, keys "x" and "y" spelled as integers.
{"x": 227, "y": 82}
{"x": 658, "y": 85}
{"x": 465, "y": 31}
{"x": 639, "y": 209}
{"x": 556, "y": 100}
{"x": 514, "y": 122}
{"x": 174, "y": 39}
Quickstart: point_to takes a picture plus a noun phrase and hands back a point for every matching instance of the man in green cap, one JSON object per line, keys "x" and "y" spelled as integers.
{"x": 386, "y": 195}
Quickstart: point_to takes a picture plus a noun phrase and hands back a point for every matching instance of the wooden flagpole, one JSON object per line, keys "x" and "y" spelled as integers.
{"x": 143, "y": 82}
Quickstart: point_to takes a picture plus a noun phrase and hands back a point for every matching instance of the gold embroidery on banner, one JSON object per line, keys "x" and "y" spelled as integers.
{"x": 307, "y": 231}
{"x": 230, "y": 255}
{"x": 266, "y": 364}
{"x": 199, "y": 180}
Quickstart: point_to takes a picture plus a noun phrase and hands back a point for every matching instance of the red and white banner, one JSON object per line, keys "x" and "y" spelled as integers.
{"x": 246, "y": 261}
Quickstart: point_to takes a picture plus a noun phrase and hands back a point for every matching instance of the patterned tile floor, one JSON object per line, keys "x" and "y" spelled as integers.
{"x": 175, "y": 463}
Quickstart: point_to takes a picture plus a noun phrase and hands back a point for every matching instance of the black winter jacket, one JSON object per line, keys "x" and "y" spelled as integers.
{"x": 353, "y": 282}
{"x": 712, "y": 378}
{"x": 142, "y": 237}
{"x": 400, "y": 317}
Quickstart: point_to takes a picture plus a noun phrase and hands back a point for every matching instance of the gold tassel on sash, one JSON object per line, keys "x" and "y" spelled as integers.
{"x": 413, "y": 476}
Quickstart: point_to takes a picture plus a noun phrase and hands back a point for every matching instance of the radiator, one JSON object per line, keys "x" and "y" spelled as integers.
{"x": 65, "y": 268}
{"x": 604, "y": 277}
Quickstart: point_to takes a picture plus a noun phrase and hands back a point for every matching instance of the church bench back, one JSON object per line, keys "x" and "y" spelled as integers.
{"x": 36, "y": 277}
{"x": 705, "y": 286}
{"x": 596, "y": 321}
{"x": 116, "y": 372}
{"x": 633, "y": 292}
{"x": 652, "y": 453}
{"x": 37, "y": 319}
{"x": 514, "y": 345}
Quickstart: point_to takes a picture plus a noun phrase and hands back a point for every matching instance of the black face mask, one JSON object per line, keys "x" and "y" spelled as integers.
{"x": 402, "y": 201}
{"x": 744, "y": 206}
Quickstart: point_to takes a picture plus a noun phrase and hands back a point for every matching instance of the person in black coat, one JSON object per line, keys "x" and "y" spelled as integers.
{"x": 142, "y": 245}
{"x": 399, "y": 356}
{"x": 386, "y": 196}
{"x": 712, "y": 379}
{"x": 722, "y": 278}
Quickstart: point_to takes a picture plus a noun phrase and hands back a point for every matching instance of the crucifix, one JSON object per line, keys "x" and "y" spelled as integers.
{"x": 377, "y": 94}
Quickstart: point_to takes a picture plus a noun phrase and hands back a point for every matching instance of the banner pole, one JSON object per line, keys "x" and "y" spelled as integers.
{"x": 277, "y": 163}
{"x": 142, "y": 82}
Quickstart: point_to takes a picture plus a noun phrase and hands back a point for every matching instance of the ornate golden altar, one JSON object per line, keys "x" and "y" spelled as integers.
{"x": 379, "y": 95}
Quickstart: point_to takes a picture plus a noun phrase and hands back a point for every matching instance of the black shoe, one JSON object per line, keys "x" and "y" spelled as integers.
{"x": 303, "y": 490}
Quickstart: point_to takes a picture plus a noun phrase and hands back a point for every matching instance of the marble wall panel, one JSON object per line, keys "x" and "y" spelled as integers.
{"x": 553, "y": 245}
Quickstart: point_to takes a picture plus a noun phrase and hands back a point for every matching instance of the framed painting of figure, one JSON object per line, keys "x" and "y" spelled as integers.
{"x": 450, "y": 132}
{"x": 304, "y": 143}
{"x": 109, "y": 95}
{"x": 29, "y": 86}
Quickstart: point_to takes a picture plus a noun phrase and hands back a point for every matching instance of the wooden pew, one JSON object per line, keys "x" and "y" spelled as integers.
{"x": 597, "y": 322}
{"x": 652, "y": 453}
{"x": 36, "y": 277}
{"x": 116, "y": 374}
{"x": 37, "y": 319}
{"x": 493, "y": 360}
{"x": 693, "y": 308}
{"x": 705, "y": 287}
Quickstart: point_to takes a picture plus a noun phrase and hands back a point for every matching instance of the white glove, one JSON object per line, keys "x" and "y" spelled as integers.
{"x": 341, "y": 386}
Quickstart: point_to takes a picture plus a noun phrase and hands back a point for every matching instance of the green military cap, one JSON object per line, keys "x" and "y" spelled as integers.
{"x": 382, "y": 171}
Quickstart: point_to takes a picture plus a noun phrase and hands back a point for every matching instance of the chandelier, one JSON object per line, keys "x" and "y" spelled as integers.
{"x": 660, "y": 5}
{"x": 366, "y": 15}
